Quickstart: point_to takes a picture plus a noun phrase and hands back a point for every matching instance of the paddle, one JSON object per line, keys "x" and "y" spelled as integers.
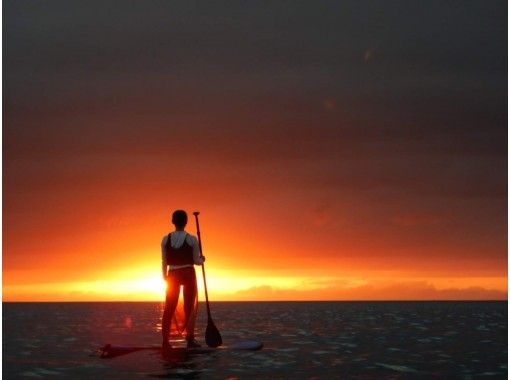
{"x": 212, "y": 335}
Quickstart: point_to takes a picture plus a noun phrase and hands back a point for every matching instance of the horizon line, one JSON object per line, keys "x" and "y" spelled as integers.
{"x": 238, "y": 301}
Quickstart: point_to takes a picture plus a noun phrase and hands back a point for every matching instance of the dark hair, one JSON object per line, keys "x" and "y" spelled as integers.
{"x": 180, "y": 218}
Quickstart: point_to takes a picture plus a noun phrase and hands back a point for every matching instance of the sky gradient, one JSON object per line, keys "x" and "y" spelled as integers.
{"x": 336, "y": 150}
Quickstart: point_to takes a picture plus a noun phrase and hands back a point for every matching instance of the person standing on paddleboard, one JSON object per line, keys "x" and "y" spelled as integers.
{"x": 180, "y": 251}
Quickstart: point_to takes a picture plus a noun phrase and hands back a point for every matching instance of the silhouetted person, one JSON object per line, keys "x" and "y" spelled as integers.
{"x": 180, "y": 252}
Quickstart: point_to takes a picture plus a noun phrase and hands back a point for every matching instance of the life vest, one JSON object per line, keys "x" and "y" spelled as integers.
{"x": 179, "y": 256}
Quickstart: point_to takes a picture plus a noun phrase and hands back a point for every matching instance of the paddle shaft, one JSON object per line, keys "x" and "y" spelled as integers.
{"x": 203, "y": 269}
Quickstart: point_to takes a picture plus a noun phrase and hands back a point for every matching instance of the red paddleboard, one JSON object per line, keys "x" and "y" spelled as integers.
{"x": 111, "y": 351}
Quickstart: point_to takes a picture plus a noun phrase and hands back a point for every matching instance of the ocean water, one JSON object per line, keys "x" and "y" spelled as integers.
{"x": 302, "y": 340}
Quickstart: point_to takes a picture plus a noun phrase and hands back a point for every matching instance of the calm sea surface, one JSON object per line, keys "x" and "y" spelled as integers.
{"x": 302, "y": 340}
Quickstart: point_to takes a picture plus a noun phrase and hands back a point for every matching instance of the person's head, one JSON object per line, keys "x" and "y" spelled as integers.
{"x": 180, "y": 219}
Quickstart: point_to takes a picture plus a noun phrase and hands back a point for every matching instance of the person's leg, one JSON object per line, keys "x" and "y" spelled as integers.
{"x": 190, "y": 303}
{"x": 172, "y": 297}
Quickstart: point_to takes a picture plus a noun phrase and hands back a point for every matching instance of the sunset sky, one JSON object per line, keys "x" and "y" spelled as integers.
{"x": 336, "y": 150}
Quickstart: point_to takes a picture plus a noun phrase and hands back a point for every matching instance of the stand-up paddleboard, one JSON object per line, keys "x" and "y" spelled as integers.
{"x": 111, "y": 351}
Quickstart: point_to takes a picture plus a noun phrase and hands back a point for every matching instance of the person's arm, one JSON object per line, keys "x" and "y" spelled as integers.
{"x": 197, "y": 257}
{"x": 164, "y": 264}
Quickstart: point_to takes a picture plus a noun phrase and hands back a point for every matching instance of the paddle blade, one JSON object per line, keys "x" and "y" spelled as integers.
{"x": 212, "y": 335}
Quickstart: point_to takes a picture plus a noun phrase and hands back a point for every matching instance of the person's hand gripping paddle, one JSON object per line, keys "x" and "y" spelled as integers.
{"x": 212, "y": 335}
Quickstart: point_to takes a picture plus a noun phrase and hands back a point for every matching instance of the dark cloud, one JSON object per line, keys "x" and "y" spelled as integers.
{"x": 410, "y": 290}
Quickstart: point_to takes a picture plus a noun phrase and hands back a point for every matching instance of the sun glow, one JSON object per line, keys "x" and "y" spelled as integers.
{"x": 224, "y": 283}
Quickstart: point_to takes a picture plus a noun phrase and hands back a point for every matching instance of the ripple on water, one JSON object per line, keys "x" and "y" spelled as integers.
{"x": 290, "y": 349}
{"x": 398, "y": 368}
{"x": 44, "y": 371}
{"x": 350, "y": 345}
{"x": 30, "y": 374}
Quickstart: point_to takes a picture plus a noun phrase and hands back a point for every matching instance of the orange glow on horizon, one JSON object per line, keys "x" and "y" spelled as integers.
{"x": 121, "y": 261}
{"x": 223, "y": 285}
